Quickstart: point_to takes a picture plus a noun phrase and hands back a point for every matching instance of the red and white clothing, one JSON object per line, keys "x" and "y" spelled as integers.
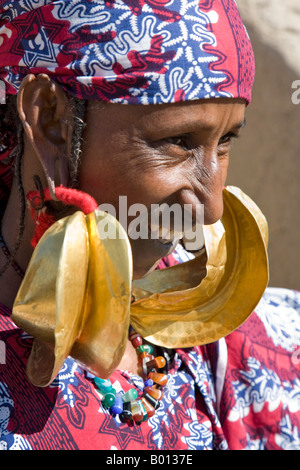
{"x": 242, "y": 392}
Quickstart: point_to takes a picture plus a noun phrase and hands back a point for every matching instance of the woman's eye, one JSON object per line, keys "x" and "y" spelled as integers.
{"x": 180, "y": 141}
{"x": 227, "y": 138}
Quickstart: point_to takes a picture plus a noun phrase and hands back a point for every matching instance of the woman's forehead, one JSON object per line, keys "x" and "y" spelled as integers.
{"x": 183, "y": 117}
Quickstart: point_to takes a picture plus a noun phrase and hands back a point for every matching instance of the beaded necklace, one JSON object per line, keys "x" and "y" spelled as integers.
{"x": 129, "y": 406}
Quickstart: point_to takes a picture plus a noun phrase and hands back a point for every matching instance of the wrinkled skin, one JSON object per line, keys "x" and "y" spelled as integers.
{"x": 176, "y": 153}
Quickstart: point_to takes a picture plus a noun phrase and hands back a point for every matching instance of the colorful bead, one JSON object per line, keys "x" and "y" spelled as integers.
{"x": 148, "y": 383}
{"x": 89, "y": 375}
{"x": 128, "y": 406}
{"x": 131, "y": 395}
{"x": 138, "y": 411}
{"x": 109, "y": 399}
{"x": 160, "y": 379}
{"x": 126, "y": 414}
{"x": 150, "y": 410}
{"x": 117, "y": 407}
{"x": 159, "y": 362}
{"x": 145, "y": 414}
{"x": 145, "y": 362}
{"x": 135, "y": 339}
{"x": 104, "y": 385}
{"x": 154, "y": 392}
{"x": 152, "y": 401}
{"x": 145, "y": 356}
{"x": 145, "y": 348}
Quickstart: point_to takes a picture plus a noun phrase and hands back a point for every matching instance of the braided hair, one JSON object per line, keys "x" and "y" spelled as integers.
{"x": 8, "y": 142}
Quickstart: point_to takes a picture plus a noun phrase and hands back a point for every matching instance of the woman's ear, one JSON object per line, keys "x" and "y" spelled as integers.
{"x": 45, "y": 114}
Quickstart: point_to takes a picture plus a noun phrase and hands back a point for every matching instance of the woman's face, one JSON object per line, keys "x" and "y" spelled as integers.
{"x": 173, "y": 153}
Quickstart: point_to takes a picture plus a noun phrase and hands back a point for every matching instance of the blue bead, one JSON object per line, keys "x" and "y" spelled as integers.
{"x": 148, "y": 383}
{"x": 89, "y": 375}
{"x": 117, "y": 407}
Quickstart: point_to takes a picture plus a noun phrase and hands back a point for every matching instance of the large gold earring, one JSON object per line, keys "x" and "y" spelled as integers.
{"x": 86, "y": 312}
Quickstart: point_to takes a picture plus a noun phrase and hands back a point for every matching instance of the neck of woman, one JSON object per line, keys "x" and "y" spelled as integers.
{"x": 10, "y": 280}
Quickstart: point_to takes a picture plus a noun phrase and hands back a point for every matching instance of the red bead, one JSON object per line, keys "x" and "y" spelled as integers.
{"x": 160, "y": 379}
{"x": 154, "y": 392}
{"x": 138, "y": 411}
{"x": 158, "y": 362}
{"x": 152, "y": 401}
{"x": 149, "y": 408}
{"x": 135, "y": 339}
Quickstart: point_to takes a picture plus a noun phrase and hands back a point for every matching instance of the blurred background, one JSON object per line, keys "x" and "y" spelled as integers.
{"x": 265, "y": 162}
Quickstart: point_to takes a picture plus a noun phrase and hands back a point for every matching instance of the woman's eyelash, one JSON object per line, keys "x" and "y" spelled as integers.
{"x": 228, "y": 137}
{"x": 179, "y": 140}
{"x": 182, "y": 140}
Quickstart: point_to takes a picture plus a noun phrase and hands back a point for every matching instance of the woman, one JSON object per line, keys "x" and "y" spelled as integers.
{"x": 136, "y": 99}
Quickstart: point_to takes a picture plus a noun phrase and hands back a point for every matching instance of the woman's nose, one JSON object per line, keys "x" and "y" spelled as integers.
{"x": 206, "y": 189}
{"x": 209, "y": 206}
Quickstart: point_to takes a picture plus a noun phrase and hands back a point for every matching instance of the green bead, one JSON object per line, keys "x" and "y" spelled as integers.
{"x": 145, "y": 417}
{"x": 130, "y": 395}
{"x": 109, "y": 399}
{"x": 104, "y": 385}
{"x": 145, "y": 348}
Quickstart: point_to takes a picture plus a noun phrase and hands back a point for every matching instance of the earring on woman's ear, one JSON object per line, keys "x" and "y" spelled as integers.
{"x": 68, "y": 196}
{"x": 43, "y": 220}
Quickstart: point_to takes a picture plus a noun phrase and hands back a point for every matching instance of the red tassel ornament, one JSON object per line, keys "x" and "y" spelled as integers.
{"x": 69, "y": 196}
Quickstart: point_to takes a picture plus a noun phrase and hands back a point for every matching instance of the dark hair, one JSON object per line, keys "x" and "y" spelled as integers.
{"x": 8, "y": 119}
{"x": 12, "y": 141}
{"x": 8, "y": 142}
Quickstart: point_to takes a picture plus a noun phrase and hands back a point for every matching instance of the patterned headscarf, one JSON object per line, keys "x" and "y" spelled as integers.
{"x": 128, "y": 51}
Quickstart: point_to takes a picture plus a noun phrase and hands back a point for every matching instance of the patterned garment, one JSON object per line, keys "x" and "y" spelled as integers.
{"x": 241, "y": 393}
{"x": 129, "y": 51}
